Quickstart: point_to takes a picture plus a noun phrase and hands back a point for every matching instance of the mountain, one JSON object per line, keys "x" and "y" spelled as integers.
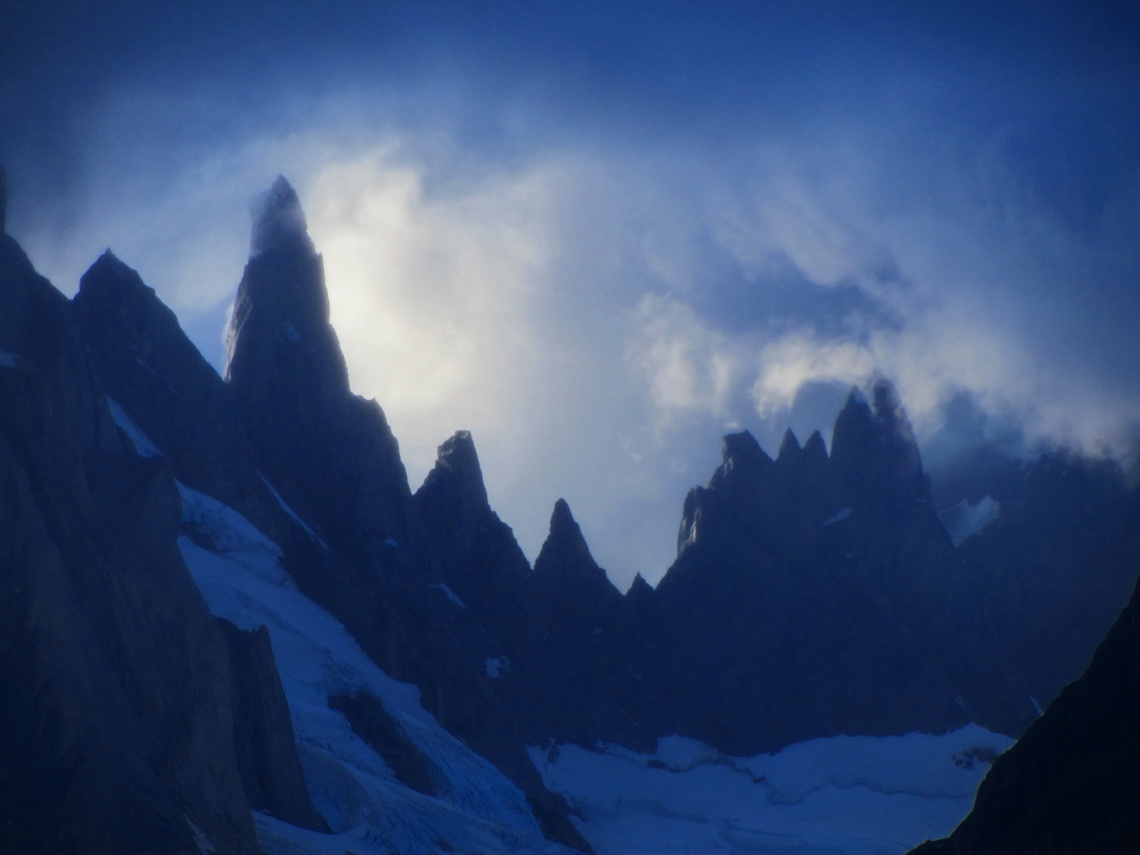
{"x": 228, "y": 620}
{"x": 121, "y": 727}
{"x": 1072, "y": 782}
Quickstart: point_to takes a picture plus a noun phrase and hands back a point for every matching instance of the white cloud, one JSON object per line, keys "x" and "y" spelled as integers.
{"x": 688, "y": 367}
{"x": 595, "y": 313}
{"x": 791, "y": 362}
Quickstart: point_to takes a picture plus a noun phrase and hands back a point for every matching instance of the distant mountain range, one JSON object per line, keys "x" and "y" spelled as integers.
{"x": 217, "y": 595}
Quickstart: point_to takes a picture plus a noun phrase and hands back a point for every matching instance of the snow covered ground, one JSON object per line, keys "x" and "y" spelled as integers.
{"x": 477, "y": 810}
{"x": 848, "y": 795}
{"x": 855, "y": 795}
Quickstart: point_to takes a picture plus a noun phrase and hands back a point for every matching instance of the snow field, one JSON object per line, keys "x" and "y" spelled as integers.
{"x": 238, "y": 571}
{"x": 855, "y": 795}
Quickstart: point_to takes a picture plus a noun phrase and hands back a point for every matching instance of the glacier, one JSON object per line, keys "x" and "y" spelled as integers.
{"x": 238, "y": 571}
{"x": 846, "y": 795}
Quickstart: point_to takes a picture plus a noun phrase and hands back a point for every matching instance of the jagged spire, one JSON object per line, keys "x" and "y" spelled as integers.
{"x": 565, "y": 535}
{"x": 742, "y": 449}
{"x": 109, "y": 271}
{"x": 457, "y": 467}
{"x": 565, "y": 553}
{"x": 815, "y": 448}
{"x": 278, "y": 219}
{"x": 561, "y": 519}
{"x": 290, "y": 384}
{"x": 280, "y": 323}
{"x": 789, "y": 445}
{"x": 873, "y": 448}
{"x": 640, "y": 590}
{"x": 743, "y": 460}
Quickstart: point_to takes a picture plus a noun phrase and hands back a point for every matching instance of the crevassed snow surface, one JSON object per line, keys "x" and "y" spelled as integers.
{"x": 238, "y": 571}
{"x": 855, "y": 795}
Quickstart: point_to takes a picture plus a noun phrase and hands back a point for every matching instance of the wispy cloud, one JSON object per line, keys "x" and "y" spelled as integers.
{"x": 600, "y": 259}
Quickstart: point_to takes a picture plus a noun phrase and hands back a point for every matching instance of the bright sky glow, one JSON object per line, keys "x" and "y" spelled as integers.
{"x": 598, "y": 237}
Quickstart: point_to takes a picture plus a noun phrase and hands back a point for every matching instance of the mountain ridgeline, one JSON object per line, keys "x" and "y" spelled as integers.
{"x": 813, "y": 593}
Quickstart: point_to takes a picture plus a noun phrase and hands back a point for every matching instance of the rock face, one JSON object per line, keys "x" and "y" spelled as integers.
{"x": 587, "y": 643}
{"x": 1071, "y": 784}
{"x": 151, "y": 369}
{"x": 271, "y": 774}
{"x": 329, "y": 453}
{"x": 824, "y": 612}
{"x": 116, "y": 727}
{"x": 1058, "y": 561}
{"x": 333, "y": 458}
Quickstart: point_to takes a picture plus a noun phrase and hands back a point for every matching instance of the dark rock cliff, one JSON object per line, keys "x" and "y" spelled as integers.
{"x": 116, "y": 727}
{"x": 1071, "y": 784}
{"x": 333, "y": 457}
{"x": 330, "y": 453}
{"x": 263, "y": 731}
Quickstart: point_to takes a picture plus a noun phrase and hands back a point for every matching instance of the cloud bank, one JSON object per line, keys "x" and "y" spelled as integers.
{"x": 600, "y": 254}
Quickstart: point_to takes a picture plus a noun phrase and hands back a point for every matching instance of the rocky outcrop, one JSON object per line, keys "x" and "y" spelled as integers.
{"x": 475, "y": 552}
{"x": 334, "y": 460}
{"x": 264, "y": 742}
{"x": 373, "y": 724}
{"x": 329, "y": 453}
{"x": 480, "y": 576}
{"x": 1071, "y": 784}
{"x": 587, "y": 645}
{"x": 116, "y": 726}
{"x": 568, "y": 581}
{"x": 150, "y": 368}
{"x": 820, "y": 585}
{"x": 1055, "y": 566}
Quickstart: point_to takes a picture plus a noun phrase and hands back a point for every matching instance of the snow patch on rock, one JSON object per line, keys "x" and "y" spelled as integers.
{"x": 141, "y": 442}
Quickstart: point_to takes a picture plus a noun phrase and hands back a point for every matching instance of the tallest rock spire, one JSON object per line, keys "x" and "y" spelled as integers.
{"x": 280, "y": 325}
{"x": 320, "y": 445}
{"x": 278, "y": 219}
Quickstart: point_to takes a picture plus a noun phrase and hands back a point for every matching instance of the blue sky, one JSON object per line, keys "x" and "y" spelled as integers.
{"x": 600, "y": 235}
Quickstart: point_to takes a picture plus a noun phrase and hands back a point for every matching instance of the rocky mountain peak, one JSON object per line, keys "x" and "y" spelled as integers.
{"x": 281, "y": 314}
{"x": 639, "y": 591}
{"x": 565, "y": 533}
{"x": 742, "y": 458}
{"x": 458, "y": 473}
{"x": 873, "y": 448}
{"x": 789, "y": 446}
{"x": 565, "y": 553}
{"x": 278, "y": 220}
{"x": 111, "y": 274}
{"x": 814, "y": 448}
{"x": 566, "y": 539}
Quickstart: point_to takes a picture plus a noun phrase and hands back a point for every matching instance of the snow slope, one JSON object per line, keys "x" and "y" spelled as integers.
{"x": 846, "y": 795}
{"x": 855, "y": 795}
{"x": 238, "y": 571}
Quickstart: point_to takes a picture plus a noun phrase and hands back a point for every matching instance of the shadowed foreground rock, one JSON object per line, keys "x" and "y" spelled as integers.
{"x": 1071, "y": 785}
